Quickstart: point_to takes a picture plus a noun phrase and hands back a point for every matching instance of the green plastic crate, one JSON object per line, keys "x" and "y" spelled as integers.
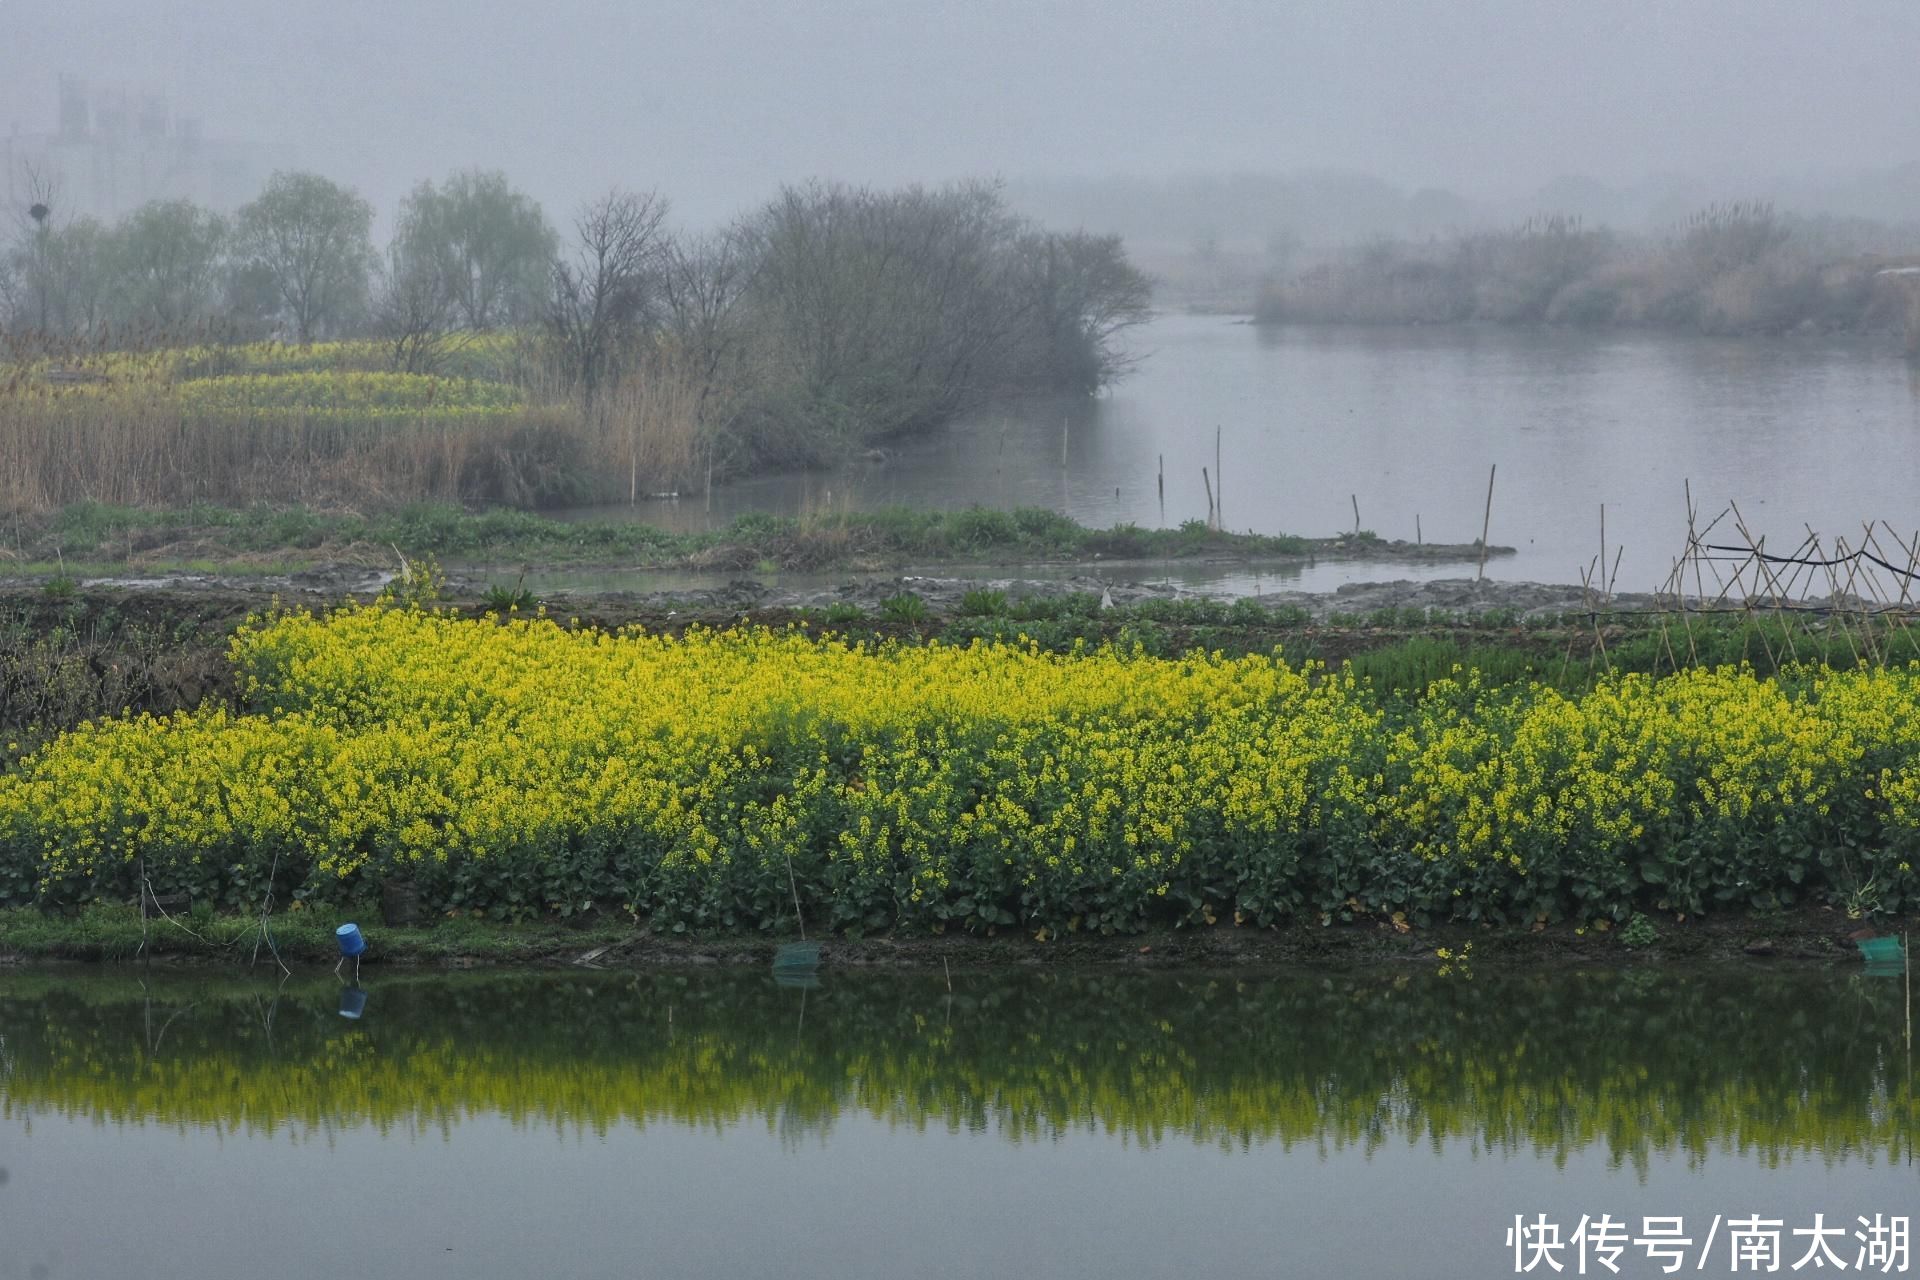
{"x": 1879, "y": 951}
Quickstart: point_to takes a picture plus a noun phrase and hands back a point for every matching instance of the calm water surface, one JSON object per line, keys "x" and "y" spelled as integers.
{"x": 1408, "y": 421}
{"x": 713, "y": 1123}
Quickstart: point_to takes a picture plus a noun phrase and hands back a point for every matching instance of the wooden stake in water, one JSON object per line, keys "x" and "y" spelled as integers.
{"x": 1486, "y": 522}
{"x": 266, "y": 908}
{"x": 798, "y": 918}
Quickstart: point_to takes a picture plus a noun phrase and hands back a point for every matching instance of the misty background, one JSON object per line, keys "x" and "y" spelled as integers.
{"x": 1248, "y": 128}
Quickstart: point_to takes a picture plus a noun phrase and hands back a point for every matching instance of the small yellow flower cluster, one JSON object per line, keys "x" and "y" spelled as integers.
{"x": 350, "y": 381}
{"x": 331, "y": 394}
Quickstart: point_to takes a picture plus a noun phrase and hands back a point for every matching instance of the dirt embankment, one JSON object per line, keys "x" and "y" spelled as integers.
{"x": 1809, "y": 936}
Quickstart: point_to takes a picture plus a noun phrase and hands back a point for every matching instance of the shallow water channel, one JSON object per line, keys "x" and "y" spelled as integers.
{"x": 712, "y": 1122}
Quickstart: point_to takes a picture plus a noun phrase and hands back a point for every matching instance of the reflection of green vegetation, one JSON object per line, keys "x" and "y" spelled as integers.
{"x": 1632, "y": 1063}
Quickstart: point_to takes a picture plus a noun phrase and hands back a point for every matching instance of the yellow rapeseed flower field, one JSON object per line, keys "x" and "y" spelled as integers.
{"x": 526, "y": 767}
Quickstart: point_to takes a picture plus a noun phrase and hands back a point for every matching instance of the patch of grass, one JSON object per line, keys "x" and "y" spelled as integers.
{"x": 893, "y": 535}
{"x": 1408, "y": 667}
{"x": 501, "y": 599}
{"x": 1639, "y": 932}
{"x": 905, "y": 607}
{"x": 1037, "y": 608}
{"x": 1247, "y": 613}
{"x": 983, "y": 604}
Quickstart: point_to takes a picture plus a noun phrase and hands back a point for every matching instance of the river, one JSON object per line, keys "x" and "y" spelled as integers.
{"x": 1048, "y": 1122}
{"x": 1407, "y": 423}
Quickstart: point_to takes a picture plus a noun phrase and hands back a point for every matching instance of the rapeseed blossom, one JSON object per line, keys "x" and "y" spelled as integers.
{"x": 525, "y": 767}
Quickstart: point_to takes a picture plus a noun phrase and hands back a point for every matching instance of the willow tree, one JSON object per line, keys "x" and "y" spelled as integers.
{"x": 312, "y": 240}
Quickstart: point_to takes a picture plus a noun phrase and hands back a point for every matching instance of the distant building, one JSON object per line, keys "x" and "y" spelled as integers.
{"x": 111, "y": 152}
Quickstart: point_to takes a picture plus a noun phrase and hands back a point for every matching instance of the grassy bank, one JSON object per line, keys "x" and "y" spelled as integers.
{"x": 102, "y": 534}
{"x": 529, "y": 770}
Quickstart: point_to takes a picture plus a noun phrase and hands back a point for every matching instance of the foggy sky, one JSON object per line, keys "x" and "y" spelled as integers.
{"x": 715, "y": 102}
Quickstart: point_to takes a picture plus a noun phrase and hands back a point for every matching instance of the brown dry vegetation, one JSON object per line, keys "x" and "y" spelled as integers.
{"x": 138, "y": 444}
{"x": 151, "y": 453}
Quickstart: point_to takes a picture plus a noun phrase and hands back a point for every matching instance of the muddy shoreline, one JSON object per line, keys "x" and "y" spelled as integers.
{"x": 1806, "y": 935}
{"x": 1120, "y": 583}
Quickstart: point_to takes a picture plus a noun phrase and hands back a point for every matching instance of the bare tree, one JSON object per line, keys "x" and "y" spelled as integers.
{"x": 413, "y": 309}
{"x": 9, "y": 290}
{"x": 888, "y": 309}
{"x": 606, "y": 292}
{"x": 702, "y": 282}
{"x": 1083, "y": 293}
{"x": 33, "y": 245}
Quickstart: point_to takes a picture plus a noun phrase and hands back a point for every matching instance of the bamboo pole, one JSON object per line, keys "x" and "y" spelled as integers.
{"x": 1486, "y": 523}
{"x": 1219, "y": 483}
{"x": 1588, "y": 577}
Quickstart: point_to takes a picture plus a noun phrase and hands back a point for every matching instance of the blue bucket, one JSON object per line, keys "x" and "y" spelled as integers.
{"x": 350, "y": 940}
{"x": 353, "y": 1002}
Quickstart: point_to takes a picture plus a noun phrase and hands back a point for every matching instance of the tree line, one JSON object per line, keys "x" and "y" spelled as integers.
{"x": 1737, "y": 268}
{"x": 829, "y": 315}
